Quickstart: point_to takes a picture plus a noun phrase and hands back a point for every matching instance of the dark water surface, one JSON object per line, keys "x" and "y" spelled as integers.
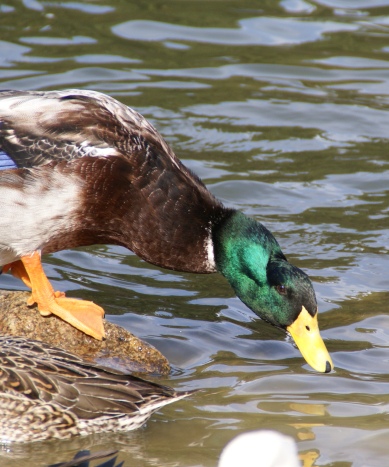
{"x": 282, "y": 107}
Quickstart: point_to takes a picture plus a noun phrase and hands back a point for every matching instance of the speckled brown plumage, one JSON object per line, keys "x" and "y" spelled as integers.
{"x": 46, "y": 393}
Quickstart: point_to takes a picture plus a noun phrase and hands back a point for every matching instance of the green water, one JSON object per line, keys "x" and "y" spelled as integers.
{"x": 282, "y": 107}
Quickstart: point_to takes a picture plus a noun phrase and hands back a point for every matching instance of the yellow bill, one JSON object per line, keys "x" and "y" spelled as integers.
{"x": 305, "y": 332}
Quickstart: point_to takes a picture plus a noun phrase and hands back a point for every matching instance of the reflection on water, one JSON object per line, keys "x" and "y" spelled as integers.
{"x": 281, "y": 107}
{"x": 250, "y": 31}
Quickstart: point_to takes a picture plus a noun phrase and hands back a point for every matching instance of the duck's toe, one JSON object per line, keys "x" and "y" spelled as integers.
{"x": 82, "y": 314}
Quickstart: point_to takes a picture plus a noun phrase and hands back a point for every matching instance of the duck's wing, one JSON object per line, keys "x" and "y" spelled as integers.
{"x": 37, "y": 127}
{"x": 38, "y": 372}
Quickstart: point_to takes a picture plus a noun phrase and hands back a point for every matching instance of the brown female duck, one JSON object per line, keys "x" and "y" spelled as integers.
{"x": 47, "y": 393}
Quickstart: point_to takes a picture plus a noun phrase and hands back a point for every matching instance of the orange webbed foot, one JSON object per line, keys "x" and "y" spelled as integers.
{"x": 83, "y": 315}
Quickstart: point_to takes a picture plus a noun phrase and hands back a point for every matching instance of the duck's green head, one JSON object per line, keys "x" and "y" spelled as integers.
{"x": 248, "y": 255}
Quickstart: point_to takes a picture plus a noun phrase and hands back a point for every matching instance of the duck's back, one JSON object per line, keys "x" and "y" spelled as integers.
{"x": 130, "y": 187}
{"x": 37, "y": 127}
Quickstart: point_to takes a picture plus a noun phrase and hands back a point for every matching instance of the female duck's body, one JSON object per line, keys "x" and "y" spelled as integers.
{"x": 80, "y": 168}
{"x": 47, "y": 393}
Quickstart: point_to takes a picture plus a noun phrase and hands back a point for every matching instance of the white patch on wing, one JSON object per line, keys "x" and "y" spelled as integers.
{"x": 31, "y": 216}
{"x": 88, "y": 149}
{"x": 11, "y": 137}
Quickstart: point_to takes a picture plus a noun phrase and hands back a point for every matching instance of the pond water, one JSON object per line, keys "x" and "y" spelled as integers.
{"x": 282, "y": 107}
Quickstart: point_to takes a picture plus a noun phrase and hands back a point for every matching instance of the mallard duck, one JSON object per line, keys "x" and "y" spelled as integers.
{"x": 47, "y": 393}
{"x": 80, "y": 168}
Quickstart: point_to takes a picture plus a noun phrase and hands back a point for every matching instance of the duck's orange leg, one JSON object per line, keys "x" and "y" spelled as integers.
{"x": 83, "y": 315}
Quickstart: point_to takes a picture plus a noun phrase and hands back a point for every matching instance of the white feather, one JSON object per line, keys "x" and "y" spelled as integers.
{"x": 29, "y": 218}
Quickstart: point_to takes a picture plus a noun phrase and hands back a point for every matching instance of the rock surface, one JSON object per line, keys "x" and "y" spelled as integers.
{"x": 120, "y": 349}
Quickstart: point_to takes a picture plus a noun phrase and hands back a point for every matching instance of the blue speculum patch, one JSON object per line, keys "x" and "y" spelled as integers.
{"x": 6, "y": 162}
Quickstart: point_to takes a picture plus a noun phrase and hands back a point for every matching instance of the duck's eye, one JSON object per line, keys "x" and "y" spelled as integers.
{"x": 281, "y": 289}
